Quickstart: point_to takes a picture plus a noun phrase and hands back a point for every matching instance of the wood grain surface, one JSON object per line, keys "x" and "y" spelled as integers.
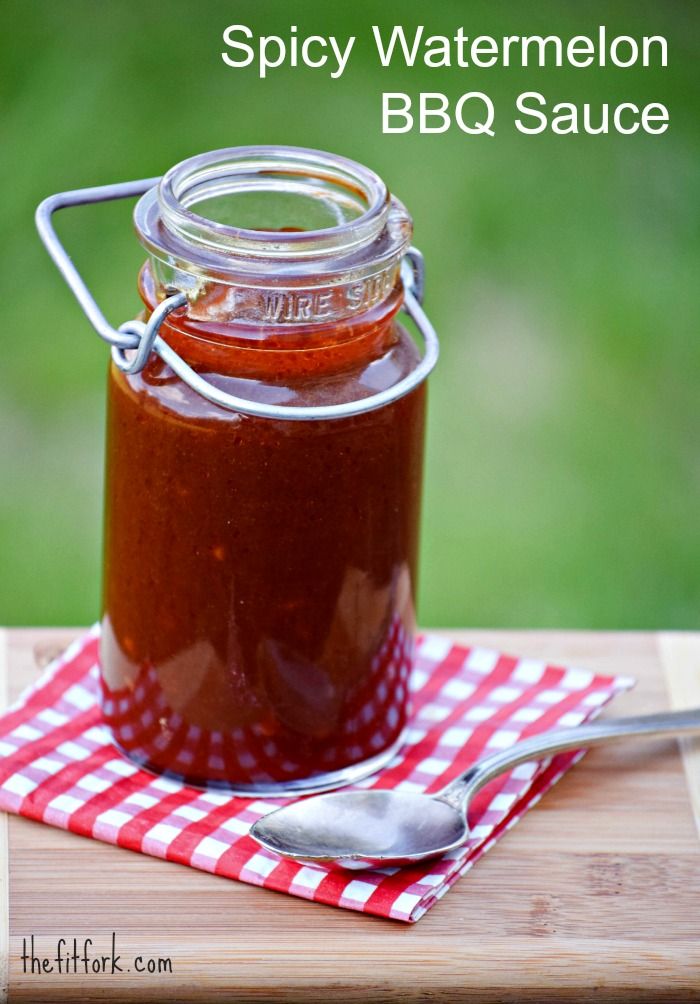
{"x": 680, "y": 658}
{"x": 594, "y": 895}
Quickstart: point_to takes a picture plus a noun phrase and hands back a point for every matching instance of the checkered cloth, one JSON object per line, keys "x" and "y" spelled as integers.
{"x": 58, "y": 765}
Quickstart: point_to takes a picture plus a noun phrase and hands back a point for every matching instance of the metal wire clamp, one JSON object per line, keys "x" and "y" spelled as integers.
{"x": 145, "y": 337}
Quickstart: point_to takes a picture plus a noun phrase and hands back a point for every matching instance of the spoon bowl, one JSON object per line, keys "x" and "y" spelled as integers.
{"x": 378, "y": 828}
{"x": 363, "y": 829}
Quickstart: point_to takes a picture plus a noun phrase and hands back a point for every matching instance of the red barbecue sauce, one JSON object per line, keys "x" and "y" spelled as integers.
{"x": 260, "y": 574}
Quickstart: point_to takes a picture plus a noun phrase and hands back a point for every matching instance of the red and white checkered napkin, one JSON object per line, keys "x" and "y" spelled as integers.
{"x": 57, "y": 764}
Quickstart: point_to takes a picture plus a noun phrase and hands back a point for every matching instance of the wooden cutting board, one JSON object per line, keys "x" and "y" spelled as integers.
{"x": 594, "y": 895}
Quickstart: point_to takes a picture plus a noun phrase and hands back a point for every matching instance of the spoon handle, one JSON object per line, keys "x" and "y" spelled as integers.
{"x": 459, "y": 791}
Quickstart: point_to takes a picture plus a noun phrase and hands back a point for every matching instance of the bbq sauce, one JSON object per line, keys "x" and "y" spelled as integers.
{"x": 260, "y": 574}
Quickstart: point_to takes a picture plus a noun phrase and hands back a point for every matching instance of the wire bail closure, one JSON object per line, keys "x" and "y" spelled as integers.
{"x": 144, "y": 338}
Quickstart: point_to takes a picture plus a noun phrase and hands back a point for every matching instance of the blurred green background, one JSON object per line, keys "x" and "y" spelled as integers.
{"x": 563, "y": 476}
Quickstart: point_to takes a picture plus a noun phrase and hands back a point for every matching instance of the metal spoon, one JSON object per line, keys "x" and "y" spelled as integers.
{"x": 376, "y": 828}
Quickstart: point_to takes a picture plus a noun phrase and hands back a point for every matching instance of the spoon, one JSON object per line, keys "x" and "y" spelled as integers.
{"x": 377, "y": 828}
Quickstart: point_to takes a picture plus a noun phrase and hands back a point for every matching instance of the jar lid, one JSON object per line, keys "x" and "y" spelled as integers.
{"x": 273, "y": 235}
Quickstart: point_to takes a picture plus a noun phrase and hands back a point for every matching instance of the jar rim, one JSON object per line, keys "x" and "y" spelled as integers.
{"x": 228, "y": 271}
{"x": 235, "y": 169}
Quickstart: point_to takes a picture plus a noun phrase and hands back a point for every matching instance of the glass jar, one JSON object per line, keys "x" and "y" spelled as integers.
{"x": 263, "y": 477}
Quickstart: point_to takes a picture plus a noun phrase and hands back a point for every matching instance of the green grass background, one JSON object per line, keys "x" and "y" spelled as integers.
{"x": 563, "y": 475}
